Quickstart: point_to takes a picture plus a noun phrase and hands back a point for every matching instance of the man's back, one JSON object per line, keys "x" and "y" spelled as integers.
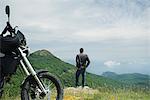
{"x": 82, "y": 59}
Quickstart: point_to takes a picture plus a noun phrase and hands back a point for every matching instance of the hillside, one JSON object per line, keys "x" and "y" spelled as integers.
{"x": 109, "y": 85}
{"x": 43, "y": 59}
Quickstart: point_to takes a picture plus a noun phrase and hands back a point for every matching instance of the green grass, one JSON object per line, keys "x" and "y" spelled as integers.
{"x": 121, "y": 95}
{"x": 99, "y": 95}
{"x": 106, "y": 95}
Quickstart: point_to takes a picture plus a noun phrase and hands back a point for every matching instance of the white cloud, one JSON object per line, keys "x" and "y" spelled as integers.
{"x": 111, "y": 64}
{"x": 117, "y": 32}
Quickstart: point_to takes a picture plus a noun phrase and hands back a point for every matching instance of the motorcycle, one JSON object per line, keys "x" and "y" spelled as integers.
{"x": 38, "y": 85}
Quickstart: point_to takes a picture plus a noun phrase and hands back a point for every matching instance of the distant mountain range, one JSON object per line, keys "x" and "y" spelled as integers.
{"x": 134, "y": 79}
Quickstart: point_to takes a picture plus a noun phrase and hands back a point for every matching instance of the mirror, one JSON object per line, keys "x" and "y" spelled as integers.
{"x": 7, "y": 10}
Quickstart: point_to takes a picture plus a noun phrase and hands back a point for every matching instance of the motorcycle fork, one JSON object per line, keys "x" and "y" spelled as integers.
{"x": 30, "y": 69}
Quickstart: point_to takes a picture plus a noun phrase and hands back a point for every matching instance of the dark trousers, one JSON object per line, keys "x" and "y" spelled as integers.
{"x": 78, "y": 72}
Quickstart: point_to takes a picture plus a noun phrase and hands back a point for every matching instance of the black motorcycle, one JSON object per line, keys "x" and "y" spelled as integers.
{"x": 38, "y": 85}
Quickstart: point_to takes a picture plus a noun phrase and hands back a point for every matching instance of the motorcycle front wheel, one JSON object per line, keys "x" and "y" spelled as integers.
{"x": 31, "y": 90}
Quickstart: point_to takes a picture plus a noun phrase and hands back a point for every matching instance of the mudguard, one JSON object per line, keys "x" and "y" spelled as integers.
{"x": 31, "y": 79}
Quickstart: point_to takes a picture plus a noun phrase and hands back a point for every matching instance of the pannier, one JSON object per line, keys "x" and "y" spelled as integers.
{"x": 9, "y": 64}
{"x": 8, "y": 44}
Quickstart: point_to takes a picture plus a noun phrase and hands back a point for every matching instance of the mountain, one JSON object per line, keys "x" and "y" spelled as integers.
{"x": 43, "y": 59}
{"x": 130, "y": 78}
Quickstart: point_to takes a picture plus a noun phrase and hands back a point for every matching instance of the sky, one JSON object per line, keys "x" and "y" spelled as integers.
{"x": 114, "y": 33}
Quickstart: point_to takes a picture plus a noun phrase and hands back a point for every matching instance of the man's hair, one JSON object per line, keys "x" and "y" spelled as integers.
{"x": 81, "y": 50}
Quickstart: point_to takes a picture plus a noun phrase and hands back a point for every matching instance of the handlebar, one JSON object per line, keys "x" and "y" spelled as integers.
{"x": 9, "y": 29}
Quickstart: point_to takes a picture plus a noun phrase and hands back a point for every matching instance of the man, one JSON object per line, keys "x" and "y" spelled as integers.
{"x": 82, "y": 62}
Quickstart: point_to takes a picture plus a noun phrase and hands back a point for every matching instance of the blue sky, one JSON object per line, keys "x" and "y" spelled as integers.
{"x": 114, "y": 33}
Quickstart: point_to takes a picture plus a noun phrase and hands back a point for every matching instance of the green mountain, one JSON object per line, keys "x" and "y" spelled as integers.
{"x": 43, "y": 59}
{"x": 133, "y": 79}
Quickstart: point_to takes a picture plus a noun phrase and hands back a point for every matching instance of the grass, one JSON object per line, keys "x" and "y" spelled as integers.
{"x": 90, "y": 94}
{"x": 121, "y": 95}
{"x": 95, "y": 94}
